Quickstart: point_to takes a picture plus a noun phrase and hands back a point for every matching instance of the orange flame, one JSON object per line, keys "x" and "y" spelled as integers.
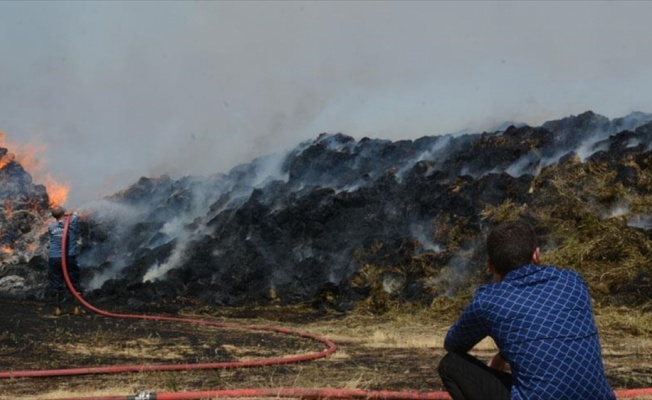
{"x": 28, "y": 157}
{"x": 6, "y": 250}
{"x": 6, "y": 159}
{"x": 57, "y": 192}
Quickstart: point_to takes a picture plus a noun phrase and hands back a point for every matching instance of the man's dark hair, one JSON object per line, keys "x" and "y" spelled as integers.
{"x": 58, "y": 212}
{"x": 510, "y": 245}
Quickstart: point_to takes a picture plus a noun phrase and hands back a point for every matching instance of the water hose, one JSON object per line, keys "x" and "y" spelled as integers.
{"x": 330, "y": 346}
{"x": 303, "y": 393}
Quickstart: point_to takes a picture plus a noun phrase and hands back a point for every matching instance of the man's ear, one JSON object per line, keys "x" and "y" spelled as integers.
{"x": 536, "y": 256}
{"x": 491, "y": 267}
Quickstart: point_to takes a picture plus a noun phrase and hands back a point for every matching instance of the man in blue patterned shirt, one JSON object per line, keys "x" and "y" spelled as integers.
{"x": 540, "y": 317}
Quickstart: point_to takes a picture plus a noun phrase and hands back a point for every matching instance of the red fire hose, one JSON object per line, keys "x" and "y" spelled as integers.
{"x": 304, "y": 393}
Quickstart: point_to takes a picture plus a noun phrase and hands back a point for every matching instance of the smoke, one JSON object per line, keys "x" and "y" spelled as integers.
{"x": 451, "y": 277}
{"x": 119, "y": 90}
{"x": 643, "y": 221}
{"x": 421, "y": 233}
{"x": 177, "y": 257}
{"x": 618, "y": 211}
{"x": 238, "y": 186}
{"x": 117, "y": 217}
{"x": 434, "y": 154}
{"x": 528, "y": 164}
{"x": 590, "y": 146}
{"x": 335, "y": 161}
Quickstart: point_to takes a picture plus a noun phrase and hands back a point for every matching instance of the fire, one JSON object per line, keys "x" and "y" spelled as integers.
{"x": 57, "y": 192}
{"x": 6, "y": 250}
{"x": 6, "y": 159}
{"x": 28, "y": 157}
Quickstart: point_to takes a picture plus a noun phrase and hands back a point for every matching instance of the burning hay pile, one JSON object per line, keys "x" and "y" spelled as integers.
{"x": 23, "y": 209}
{"x": 338, "y": 223}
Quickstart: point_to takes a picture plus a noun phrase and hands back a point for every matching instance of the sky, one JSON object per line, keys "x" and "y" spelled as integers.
{"x": 114, "y": 90}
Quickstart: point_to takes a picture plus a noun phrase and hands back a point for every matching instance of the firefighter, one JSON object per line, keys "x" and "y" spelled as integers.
{"x": 55, "y": 269}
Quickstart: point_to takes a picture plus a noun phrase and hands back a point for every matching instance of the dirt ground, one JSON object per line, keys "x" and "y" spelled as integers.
{"x": 374, "y": 353}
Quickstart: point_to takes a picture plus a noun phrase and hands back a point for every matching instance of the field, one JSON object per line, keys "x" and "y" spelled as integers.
{"x": 397, "y": 351}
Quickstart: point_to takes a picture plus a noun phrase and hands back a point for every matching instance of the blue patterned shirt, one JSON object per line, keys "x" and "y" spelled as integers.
{"x": 542, "y": 320}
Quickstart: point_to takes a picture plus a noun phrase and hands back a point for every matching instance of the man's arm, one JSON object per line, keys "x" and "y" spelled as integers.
{"x": 468, "y": 330}
{"x": 73, "y": 230}
{"x": 74, "y": 222}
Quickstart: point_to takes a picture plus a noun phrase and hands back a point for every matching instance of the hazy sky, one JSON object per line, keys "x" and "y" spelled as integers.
{"x": 119, "y": 90}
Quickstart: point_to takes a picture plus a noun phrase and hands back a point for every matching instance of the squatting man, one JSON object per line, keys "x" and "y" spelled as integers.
{"x": 542, "y": 321}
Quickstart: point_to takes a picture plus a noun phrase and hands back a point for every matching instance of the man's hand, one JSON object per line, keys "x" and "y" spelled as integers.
{"x": 497, "y": 362}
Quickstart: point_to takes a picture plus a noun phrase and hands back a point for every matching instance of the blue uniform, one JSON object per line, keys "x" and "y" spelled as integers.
{"x": 55, "y": 230}
{"x": 542, "y": 320}
{"x": 55, "y": 271}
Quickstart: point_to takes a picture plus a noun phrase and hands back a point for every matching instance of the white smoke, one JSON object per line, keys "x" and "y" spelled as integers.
{"x": 618, "y": 210}
{"x": 257, "y": 174}
{"x": 588, "y": 147}
{"x": 269, "y": 168}
{"x": 452, "y": 276}
{"x": 435, "y": 154}
{"x": 528, "y": 164}
{"x": 422, "y": 234}
{"x": 119, "y": 89}
{"x": 102, "y": 215}
{"x": 158, "y": 271}
{"x": 643, "y": 221}
{"x": 633, "y": 142}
